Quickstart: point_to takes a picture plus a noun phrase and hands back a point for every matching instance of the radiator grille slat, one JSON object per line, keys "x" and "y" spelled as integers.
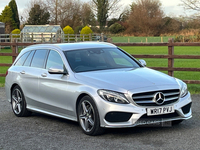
{"x": 146, "y": 98}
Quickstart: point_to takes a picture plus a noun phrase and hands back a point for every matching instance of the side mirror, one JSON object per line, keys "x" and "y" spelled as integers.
{"x": 57, "y": 70}
{"x": 143, "y": 62}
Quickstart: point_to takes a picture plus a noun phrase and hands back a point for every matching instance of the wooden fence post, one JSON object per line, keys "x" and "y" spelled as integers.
{"x": 42, "y": 37}
{"x": 14, "y": 50}
{"x": 51, "y": 38}
{"x": 170, "y": 59}
{"x": 58, "y": 40}
{"x": 32, "y": 37}
{"x": 76, "y": 38}
{"x": 90, "y": 37}
{"x": 102, "y": 37}
{"x": 21, "y": 37}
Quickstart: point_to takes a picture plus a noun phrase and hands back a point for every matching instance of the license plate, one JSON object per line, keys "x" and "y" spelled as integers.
{"x": 160, "y": 110}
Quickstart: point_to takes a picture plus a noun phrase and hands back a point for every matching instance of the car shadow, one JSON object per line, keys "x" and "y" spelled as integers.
{"x": 50, "y": 118}
{"x": 138, "y": 130}
{"x": 148, "y": 129}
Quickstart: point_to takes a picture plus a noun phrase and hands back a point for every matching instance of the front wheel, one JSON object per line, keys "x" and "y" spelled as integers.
{"x": 88, "y": 116}
{"x": 18, "y": 102}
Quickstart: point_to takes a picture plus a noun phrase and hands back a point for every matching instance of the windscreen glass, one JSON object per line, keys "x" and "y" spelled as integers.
{"x": 99, "y": 59}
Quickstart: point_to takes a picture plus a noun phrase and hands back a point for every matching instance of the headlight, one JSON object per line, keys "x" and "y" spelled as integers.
{"x": 183, "y": 88}
{"x": 113, "y": 96}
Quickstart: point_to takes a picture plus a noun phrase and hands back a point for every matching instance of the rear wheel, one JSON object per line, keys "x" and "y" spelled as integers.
{"x": 88, "y": 116}
{"x": 18, "y": 102}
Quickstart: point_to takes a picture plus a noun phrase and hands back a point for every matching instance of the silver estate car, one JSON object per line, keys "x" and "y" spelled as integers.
{"x": 96, "y": 84}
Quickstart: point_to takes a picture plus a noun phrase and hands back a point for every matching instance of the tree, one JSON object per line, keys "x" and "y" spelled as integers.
{"x": 112, "y": 21}
{"x": 116, "y": 28}
{"x": 68, "y": 30}
{"x": 145, "y": 17}
{"x": 191, "y": 4}
{"x": 53, "y": 7}
{"x": 192, "y": 22}
{"x": 171, "y": 25}
{"x": 24, "y": 16}
{"x": 122, "y": 19}
{"x": 70, "y": 13}
{"x": 78, "y": 29}
{"x": 6, "y": 17}
{"x": 38, "y": 16}
{"x": 64, "y": 12}
{"x": 87, "y": 15}
{"x": 104, "y": 8}
{"x": 16, "y": 31}
{"x": 15, "y": 15}
{"x": 86, "y": 30}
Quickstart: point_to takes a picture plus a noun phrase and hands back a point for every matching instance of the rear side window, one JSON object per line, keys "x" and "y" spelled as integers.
{"x": 21, "y": 60}
{"x": 39, "y": 58}
{"x": 29, "y": 58}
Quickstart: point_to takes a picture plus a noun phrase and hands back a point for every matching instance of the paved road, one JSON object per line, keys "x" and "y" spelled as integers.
{"x": 44, "y": 132}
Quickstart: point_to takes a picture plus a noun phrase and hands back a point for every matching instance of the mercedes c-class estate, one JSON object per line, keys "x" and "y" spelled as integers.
{"x": 96, "y": 84}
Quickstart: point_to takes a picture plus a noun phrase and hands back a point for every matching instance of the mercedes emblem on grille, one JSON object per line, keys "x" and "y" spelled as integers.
{"x": 159, "y": 98}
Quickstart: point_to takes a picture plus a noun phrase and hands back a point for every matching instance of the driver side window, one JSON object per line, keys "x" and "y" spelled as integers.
{"x": 54, "y": 60}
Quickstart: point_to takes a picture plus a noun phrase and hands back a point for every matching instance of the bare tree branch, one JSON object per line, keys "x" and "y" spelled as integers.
{"x": 191, "y": 4}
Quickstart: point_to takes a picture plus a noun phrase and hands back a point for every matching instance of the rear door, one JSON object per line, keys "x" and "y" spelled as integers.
{"x": 30, "y": 77}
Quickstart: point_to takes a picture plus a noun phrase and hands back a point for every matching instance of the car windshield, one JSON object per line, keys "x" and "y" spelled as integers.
{"x": 99, "y": 59}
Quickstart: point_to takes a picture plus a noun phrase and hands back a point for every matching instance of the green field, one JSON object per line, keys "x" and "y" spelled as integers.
{"x": 183, "y": 63}
{"x": 4, "y": 59}
{"x": 133, "y": 39}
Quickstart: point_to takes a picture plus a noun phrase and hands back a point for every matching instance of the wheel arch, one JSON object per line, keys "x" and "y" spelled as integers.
{"x": 78, "y": 100}
{"x": 96, "y": 129}
{"x": 11, "y": 89}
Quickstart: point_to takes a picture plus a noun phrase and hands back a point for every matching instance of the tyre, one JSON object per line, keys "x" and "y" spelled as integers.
{"x": 176, "y": 122}
{"x": 18, "y": 102}
{"x": 88, "y": 117}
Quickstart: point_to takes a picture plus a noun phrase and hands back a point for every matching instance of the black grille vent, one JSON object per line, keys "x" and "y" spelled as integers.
{"x": 186, "y": 109}
{"x": 146, "y": 98}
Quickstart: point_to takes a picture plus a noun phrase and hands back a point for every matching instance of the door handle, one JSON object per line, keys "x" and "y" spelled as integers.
{"x": 44, "y": 75}
{"x": 22, "y": 72}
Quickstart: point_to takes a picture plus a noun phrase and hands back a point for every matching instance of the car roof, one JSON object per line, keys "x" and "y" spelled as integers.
{"x": 75, "y": 46}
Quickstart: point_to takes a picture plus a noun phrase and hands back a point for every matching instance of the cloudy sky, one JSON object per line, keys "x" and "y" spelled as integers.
{"x": 170, "y": 7}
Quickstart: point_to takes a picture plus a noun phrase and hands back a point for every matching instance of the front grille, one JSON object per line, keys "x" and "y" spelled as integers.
{"x": 146, "y": 98}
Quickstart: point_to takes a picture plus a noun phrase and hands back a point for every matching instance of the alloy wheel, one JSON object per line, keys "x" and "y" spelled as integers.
{"x": 17, "y": 101}
{"x": 87, "y": 116}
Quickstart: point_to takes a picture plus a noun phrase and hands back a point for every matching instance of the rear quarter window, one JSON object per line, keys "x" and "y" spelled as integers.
{"x": 22, "y": 59}
{"x": 29, "y": 59}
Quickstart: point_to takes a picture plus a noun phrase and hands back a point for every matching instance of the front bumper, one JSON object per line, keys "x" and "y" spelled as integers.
{"x": 130, "y": 115}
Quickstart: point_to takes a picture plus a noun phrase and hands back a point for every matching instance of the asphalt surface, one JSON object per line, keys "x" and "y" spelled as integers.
{"x": 42, "y": 132}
